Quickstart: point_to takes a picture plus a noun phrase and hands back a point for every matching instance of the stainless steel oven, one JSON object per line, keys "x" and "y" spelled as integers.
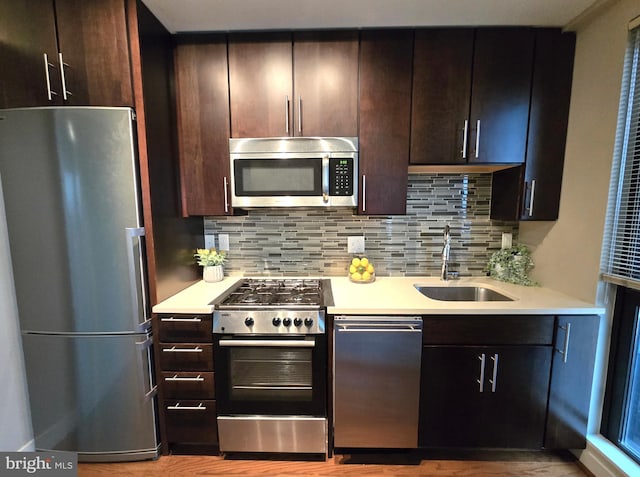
{"x": 270, "y": 348}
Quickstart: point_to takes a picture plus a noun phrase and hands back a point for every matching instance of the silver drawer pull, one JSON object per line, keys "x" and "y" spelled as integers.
{"x": 173, "y": 349}
{"x": 198, "y": 378}
{"x": 480, "y": 381}
{"x": 178, "y": 407}
{"x": 182, "y": 320}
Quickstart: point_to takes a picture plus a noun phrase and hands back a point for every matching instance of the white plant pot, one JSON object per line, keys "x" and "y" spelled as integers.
{"x": 214, "y": 273}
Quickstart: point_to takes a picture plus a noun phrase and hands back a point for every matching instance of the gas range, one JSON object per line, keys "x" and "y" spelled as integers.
{"x": 292, "y": 306}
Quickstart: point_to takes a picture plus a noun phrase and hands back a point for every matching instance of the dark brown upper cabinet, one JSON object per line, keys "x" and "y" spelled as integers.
{"x": 202, "y": 101}
{"x": 532, "y": 191}
{"x": 385, "y": 114}
{"x": 65, "y": 52}
{"x": 471, "y": 92}
{"x": 441, "y": 96}
{"x": 301, "y": 84}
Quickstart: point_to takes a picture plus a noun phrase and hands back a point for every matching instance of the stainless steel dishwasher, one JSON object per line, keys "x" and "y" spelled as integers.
{"x": 376, "y": 381}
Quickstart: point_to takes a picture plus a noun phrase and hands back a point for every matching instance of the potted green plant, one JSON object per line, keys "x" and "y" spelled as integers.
{"x": 213, "y": 262}
{"x": 511, "y": 265}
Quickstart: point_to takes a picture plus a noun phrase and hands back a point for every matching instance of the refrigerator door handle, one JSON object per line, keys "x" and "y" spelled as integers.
{"x": 136, "y": 276}
{"x": 143, "y": 364}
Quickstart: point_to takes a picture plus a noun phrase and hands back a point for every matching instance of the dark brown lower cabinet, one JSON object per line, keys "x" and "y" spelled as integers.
{"x": 186, "y": 390}
{"x": 191, "y": 421}
{"x": 484, "y": 396}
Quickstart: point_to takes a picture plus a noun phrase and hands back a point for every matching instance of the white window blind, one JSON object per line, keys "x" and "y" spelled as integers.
{"x": 621, "y": 252}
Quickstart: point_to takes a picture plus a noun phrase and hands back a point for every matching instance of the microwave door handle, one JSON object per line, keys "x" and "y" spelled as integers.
{"x": 325, "y": 179}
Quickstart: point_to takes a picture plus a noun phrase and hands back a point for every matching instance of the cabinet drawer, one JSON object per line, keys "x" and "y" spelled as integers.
{"x": 488, "y": 330}
{"x": 188, "y": 385}
{"x": 186, "y": 357}
{"x": 191, "y": 421}
{"x": 185, "y": 328}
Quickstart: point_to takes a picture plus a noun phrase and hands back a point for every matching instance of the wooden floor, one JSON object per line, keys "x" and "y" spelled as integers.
{"x": 516, "y": 464}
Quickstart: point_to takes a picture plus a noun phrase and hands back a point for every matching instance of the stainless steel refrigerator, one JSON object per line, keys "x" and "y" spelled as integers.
{"x": 69, "y": 176}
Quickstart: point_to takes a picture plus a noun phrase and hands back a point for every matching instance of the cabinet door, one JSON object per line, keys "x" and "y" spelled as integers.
{"x": 532, "y": 191}
{"x": 550, "y": 97}
{"x": 202, "y": 97}
{"x": 260, "y": 84}
{"x": 441, "y": 95}
{"x": 93, "y": 40}
{"x": 571, "y": 381}
{"x": 385, "y": 113}
{"x": 484, "y": 396}
{"x": 500, "y": 95}
{"x": 326, "y": 83}
{"x": 28, "y": 33}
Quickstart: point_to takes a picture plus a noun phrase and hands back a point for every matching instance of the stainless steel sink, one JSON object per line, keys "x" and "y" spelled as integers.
{"x": 461, "y": 293}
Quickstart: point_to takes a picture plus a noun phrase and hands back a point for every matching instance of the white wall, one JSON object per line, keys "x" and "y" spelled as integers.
{"x": 15, "y": 420}
{"x": 567, "y": 252}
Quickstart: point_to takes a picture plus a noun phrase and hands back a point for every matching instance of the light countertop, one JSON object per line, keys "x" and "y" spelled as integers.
{"x": 397, "y": 295}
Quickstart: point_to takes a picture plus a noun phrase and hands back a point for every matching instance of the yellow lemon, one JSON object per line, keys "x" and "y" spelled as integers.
{"x": 352, "y": 269}
{"x": 370, "y": 269}
{"x": 366, "y": 276}
{"x": 356, "y": 276}
{"x": 355, "y": 262}
{"x": 364, "y": 261}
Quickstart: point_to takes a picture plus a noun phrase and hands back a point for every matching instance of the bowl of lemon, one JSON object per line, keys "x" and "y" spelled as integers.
{"x": 361, "y": 270}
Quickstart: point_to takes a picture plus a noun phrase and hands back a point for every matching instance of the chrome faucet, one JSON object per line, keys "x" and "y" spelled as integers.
{"x": 446, "y": 249}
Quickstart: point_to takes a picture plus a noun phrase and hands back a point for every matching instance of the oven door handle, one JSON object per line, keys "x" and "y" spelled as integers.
{"x": 268, "y": 343}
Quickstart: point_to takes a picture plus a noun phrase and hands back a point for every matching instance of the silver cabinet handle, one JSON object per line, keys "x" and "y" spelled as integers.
{"x": 189, "y": 320}
{"x": 477, "y": 138}
{"x": 47, "y": 65}
{"x": 494, "y": 379}
{"x": 531, "y": 198}
{"x": 197, "y": 378}
{"x": 565, "y": 349}
{"x": 267, "y": 344}
{"x": 173, "y": 349}
{"x": 136, "y": 275}
{"x": 364, "y": 193}
{"x": 480, "y": 381}
{"x": 226, "y": 194}
{"x": 286, "y": 114}
{"x": 325, "y": 179}
{"x": 178, "y": 407}
{"x": 65, "y": 93}
{"x": 300, "y": 114}
{"x": 465, "y": 134}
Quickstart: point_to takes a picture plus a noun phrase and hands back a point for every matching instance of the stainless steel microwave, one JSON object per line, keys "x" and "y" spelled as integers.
{"x": 294, "y": 172}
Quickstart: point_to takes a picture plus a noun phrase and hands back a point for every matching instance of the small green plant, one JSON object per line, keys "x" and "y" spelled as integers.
{"x": 208, "y": 257}
{"x": 511, "y": 265}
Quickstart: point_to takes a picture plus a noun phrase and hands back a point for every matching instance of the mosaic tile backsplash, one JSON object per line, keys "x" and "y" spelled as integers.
{"x": 312, "y": 242}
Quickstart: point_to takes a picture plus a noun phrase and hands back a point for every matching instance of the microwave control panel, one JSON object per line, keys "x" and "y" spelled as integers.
{"x": 341, "y": 176}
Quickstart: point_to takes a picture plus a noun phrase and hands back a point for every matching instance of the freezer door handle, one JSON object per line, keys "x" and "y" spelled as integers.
{"x": 144, "y": 373}
{"x": 137, "y": 278}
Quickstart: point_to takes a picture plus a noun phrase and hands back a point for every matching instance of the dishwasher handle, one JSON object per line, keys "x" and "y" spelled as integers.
{"x": 376, "y": 324}
{"x": 380, "y": 328}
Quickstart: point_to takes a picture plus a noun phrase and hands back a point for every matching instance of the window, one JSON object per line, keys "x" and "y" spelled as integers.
{"x": 621, "y": 264}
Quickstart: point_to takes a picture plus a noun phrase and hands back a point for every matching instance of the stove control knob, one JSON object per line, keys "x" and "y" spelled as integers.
{"x": 308, "y": 322}
{"x": 286, "y": 322}
{"x": 297, "y": 321}
{"x": 276, "y": 321}
{"x": 248, "y": 321}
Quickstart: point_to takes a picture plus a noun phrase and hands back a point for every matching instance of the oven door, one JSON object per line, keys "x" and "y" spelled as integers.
{"x": 271, "y": 375}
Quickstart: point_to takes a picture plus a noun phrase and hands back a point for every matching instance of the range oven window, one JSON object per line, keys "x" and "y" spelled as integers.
{"x": 271, "y": 375}
{"x": 278, "y": 177}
